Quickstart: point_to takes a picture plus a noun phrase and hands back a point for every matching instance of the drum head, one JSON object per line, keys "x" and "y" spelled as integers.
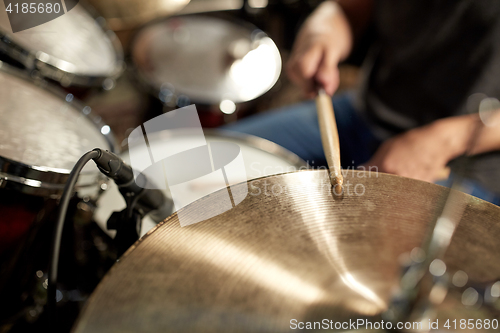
{"x": 73, "y": 43}
{"x": 44, "y": 132}
{"x": 207, "y": 59}
{"x": 261, "y": 158}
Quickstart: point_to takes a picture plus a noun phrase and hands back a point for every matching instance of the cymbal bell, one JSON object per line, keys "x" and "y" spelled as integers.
{"x": 290, "y": 250}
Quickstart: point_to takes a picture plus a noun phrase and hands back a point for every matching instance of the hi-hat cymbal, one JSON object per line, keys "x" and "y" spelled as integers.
{"x": 289, "y": 250}
{"x": 126, "y": 14}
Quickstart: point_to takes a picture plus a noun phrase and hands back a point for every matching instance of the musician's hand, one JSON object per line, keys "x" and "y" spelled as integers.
{"x": 424, "y": 152}
{"x": 323, "y": 41}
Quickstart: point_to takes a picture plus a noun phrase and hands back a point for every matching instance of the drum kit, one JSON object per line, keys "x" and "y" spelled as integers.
{"x": 76, "y": 49}
{"x": 292, "y": 252}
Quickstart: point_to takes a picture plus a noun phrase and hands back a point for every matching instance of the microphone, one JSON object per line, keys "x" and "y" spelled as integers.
{"x": 146, "y": 200}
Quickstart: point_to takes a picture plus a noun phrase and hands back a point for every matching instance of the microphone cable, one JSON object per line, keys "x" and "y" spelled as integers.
{"x": 139, "y": 197}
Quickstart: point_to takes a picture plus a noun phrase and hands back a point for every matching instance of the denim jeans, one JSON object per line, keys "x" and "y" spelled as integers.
{"x": 296, "y": 128}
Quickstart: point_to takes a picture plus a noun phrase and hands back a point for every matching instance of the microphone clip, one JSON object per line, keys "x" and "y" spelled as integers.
{"x": 139, "y": 198}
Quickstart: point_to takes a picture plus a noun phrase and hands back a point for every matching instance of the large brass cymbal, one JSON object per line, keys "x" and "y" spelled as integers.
{"x": 127, "y": 14}
{"x": 290, "y": 250}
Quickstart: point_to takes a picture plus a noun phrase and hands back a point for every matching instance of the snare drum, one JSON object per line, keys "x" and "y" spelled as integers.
{"x": 43, "y": 133}
{"x": 261, "y": 158}
{"x": 74, "y": 49}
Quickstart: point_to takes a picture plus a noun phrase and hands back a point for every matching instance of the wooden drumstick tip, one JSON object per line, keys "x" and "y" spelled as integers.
{"x": 337, "y": 181}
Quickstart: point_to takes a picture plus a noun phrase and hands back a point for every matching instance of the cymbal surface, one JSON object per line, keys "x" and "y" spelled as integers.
{"x": 290, "y": 250}
{"x": 127, "y": 14}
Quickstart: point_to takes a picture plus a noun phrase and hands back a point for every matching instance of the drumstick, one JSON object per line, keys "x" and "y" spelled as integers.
{"x": 329, "y": 138}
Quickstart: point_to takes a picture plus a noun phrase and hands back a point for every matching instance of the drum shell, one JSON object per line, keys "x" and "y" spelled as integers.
{"x": 29, "y": 192}
{"x": 24, "y": 234}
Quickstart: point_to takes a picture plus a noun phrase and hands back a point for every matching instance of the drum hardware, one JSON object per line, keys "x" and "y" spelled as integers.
{"x": 53, "y": 50}
{"x": 414, "y": 299}
{"x": 475, "y": 295}
{"x": 139, "y": 197}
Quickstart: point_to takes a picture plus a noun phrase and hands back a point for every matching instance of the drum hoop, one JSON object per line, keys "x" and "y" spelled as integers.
{"x": 53, "y": 191}
{"x": 48, "y": 66}
{"x": 41, "y": 177}
{"x": 155, "y": 90}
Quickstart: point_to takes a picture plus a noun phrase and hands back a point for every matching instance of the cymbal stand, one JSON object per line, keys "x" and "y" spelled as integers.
{"x": 423, "y": 283}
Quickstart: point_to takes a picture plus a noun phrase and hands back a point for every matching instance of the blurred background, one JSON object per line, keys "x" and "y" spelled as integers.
{"x": 135, "y": 99}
